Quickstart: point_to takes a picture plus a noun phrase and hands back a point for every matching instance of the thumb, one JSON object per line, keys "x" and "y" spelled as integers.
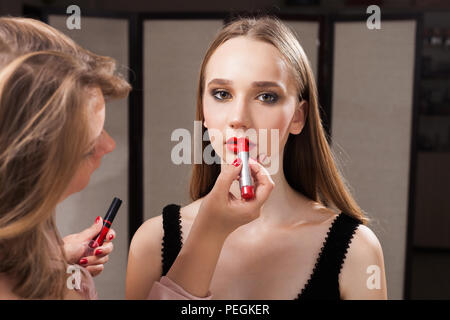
{"x": 93, "y": 230}
{"x": 227, "y": 175}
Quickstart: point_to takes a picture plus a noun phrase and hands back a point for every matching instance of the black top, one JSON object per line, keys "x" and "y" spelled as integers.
{"x": 324, "y": 280}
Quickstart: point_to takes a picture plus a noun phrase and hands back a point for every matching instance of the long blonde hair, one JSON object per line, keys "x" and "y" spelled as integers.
{"x": 308, "y": 163}
{"x": 44, "y": 136}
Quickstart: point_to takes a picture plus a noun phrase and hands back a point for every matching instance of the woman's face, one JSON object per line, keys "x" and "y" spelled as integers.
{"x": 100, "y": 140}
{"x": 248, "y": 85}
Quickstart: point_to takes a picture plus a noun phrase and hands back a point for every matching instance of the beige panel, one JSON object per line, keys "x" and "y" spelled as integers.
{"x": 308, "y": 34}
{"x": 173, "y": 51}
{"x": 107, "y": 37}
{"x": 371, "y": 128}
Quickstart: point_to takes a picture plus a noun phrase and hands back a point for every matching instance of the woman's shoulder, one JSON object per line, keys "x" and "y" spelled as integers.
{"x": 364, "y": 261}
{"x": 365, "y": 242}
{"x": 152, "y": 229}
{"x": 143, "y": 238}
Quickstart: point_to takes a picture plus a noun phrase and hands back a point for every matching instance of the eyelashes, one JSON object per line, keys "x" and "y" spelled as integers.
{"x": 221, "y": 94}
{"x": 265, "y": 97}
{"x": 269, "y": 98}
{"x": 90, "y": 153}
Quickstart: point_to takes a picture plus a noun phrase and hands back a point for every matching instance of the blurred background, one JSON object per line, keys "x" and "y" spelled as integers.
{"x": 384, "y": 93}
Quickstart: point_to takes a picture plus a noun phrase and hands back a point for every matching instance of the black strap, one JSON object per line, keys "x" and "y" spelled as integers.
{"x": 324, "y": 280}
{"x": 172, "y": 240}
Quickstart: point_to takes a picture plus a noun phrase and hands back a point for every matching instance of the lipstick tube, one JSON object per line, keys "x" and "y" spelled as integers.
{"x": 98, "y": 240}
{"x": 245, "y": 181}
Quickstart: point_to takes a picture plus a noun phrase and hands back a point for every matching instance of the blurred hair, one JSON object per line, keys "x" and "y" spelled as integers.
{"x": 45, "y": 82}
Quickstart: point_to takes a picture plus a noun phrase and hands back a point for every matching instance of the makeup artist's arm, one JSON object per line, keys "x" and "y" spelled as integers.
{"x": 75, "y": 246}
{"x": 219, "y": 215}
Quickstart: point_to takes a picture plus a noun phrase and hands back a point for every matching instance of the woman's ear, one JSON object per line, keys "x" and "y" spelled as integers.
{"x": 204, "y": 124}
{"x": 299, "y": 118}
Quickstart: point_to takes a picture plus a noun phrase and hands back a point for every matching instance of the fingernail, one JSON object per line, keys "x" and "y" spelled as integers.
{"x": 83, "y": 261}
{"x": 98, "y": 219}
{"x": 237, "y": 162}
{"x": 111, "y": 236}
{"x": 98, "y": 252}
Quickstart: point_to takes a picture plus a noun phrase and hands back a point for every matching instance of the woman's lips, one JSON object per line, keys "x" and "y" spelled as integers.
{"x": 232, "y": 145}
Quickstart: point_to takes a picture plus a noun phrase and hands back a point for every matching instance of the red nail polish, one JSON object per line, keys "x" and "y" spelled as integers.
{"x": 98, "y": 252}
{"x": 237, "y": 162}
{"x": 83, "y": 261}
{"x": 111, "y": 236}
{"x": 97, "y": 220}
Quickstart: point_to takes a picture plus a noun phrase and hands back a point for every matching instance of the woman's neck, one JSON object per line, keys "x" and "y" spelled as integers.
{"x": 285, "y": 206}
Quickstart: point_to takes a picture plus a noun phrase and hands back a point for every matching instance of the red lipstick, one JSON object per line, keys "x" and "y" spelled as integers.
{"x": 98, "y": 240}
{"x": 232, "y": 144}
{"x": 245, "y": 180}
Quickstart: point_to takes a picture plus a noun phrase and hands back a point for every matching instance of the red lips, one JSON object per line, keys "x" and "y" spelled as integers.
{"x": 233, "y": 143}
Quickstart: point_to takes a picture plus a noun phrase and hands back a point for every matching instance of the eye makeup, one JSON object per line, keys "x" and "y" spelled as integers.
{"x": 273, "y": 97}
{"x": 218, "y": 94}
{"x": 265, "y": 97}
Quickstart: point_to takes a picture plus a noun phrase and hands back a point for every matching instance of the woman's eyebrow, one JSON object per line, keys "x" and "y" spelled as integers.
{"x": 258, "y": 84}
{"x": 265, "y": 84}
{"x": 220, "y": 82}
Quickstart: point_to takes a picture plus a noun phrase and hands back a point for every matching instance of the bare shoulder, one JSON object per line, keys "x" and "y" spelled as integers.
{"x": 364, "y": 246}
{"x": 145, "y": 237}
{"x": 150, "y": 234}
{"x": 363, "y": 272}
{"x": 365, "y": 238}
{"x": 144, "y": 259}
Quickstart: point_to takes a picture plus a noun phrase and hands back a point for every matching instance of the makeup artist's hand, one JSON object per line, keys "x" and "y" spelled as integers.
{"x": 222, "y": 212}
{"x": 75, "y": 246}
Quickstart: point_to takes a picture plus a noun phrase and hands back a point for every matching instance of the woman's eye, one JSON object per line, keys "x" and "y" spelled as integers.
{"x": 90, "y": 153}
{"x": 268, "y": 98}
{"x": 221, "y": 95}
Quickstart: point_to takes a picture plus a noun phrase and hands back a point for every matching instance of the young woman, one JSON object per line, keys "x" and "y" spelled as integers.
{"x": 310, "y": 238}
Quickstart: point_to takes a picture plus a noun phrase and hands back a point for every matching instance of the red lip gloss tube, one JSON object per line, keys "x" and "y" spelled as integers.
{"x": 98, "y": 240}
{"x": 245, "y": 181}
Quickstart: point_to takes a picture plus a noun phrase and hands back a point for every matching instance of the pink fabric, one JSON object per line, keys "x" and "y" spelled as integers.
{"x": 87, "y": 286}
{"x": 166, "y": 289}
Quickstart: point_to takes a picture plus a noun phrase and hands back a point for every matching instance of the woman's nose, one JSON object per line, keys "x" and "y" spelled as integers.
{"x": 240, "y": 117}
{"x": 108, "y": 143}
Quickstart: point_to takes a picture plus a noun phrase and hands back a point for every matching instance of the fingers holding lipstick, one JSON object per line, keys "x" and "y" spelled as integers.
{"x": 94, "y": 260}
{"x": 94, "y": 264}
{"x": 263, "y": 181}
{"x": 104, "y": 250}
{"x": 110, "y": 235}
